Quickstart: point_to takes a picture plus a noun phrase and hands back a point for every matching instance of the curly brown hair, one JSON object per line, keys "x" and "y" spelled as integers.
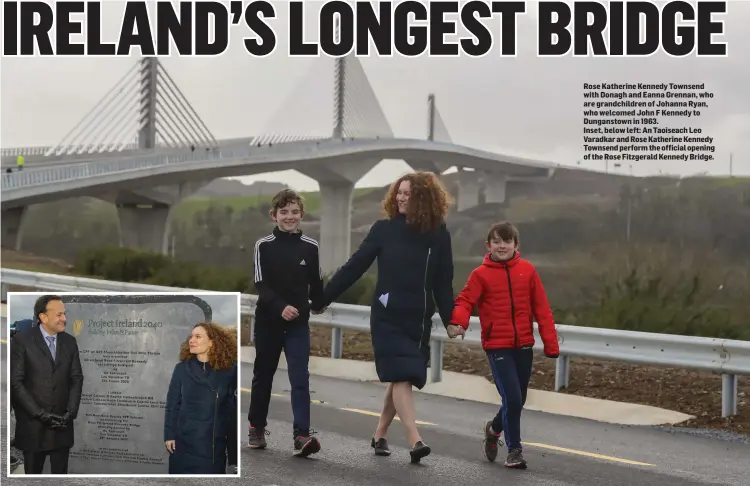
{"x": 428, "y": 203}
{"x": 285, "y": 197}
{"x": 223, "y": 353}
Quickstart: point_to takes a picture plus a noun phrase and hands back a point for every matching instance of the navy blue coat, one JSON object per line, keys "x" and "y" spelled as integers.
{"x": 22, "y": 325}
{"x": 415, "y": 271}
{"x": 201, "y": 417}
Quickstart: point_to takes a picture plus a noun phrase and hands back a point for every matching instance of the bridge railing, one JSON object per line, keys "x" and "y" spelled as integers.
{"x": 68, "y": 172}
{"x": 727, "y": 357}
{"x": 25, "y": 151}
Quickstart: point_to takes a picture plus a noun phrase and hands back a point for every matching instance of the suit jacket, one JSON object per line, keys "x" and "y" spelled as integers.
{"x": 40, "y": 384}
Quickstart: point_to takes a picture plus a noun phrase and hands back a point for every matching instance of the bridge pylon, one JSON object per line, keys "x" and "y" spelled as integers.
{"x": 356, "y": 114}
{"x": 145, "y": 109}
{"x": 436, "y": 132}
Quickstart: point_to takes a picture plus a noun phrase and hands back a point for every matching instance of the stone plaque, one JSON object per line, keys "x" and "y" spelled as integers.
{"x": 129, "y": 345}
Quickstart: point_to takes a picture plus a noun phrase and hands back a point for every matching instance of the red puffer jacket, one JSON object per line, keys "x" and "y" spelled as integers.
{"x": 510, "y": 296}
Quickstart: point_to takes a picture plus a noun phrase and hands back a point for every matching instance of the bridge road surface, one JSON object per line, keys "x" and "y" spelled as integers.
{"x": 560, "y": 450}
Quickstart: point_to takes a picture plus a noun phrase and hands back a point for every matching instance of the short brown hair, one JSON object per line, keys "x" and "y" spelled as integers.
{"x": 223, "y": 353}
{"x": 285, "y": 197}
{"x": 428, "y": 203}
{"x": 504, "y": 231}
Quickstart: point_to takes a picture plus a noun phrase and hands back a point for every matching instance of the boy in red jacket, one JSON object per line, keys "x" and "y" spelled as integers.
{"x": 510, "y": 296}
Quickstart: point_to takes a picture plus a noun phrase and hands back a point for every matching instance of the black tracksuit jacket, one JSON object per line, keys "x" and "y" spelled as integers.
{"x": 287, "y": 272}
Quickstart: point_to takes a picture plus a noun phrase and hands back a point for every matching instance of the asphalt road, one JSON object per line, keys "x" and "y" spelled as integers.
{"x": 560, "y": 450}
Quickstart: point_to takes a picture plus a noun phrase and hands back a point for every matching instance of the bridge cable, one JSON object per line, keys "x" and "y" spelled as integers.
{"x": 94, "y": 141}
{"x": 121, "y": 125}
{"x": 88, "y": 120}
{"x": 192, "y": 115}
{"x": 441, "y": 133}
{"x": 288, "y": 123}
{"x": 174, "y": 111}
{"x": 363, "y": 114}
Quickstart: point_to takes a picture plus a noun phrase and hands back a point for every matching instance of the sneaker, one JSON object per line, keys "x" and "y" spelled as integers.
{"x": 304, "y": 445}
{"x": 419, "y": 451}
{"x": 515, "y": 459}
{"x": 256, "y": 438}
{"x": 380, "y": 446}
{"x": 491, "y": 442}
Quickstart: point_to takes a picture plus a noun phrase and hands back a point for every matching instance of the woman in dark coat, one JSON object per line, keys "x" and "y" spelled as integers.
{"x": 200, "y": 422}
{"x": 415, "y": 264}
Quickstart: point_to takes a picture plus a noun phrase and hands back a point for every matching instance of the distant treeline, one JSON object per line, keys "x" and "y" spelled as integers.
{"x": 668, "y": 259}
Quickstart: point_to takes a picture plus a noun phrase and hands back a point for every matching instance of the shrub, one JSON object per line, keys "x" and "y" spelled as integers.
{"x": 132, "y": 265}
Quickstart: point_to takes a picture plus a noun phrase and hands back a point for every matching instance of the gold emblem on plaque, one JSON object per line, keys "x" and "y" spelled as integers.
{"x": 77, "y": 327}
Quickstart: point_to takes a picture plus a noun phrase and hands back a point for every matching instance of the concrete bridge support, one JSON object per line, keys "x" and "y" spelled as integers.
{"x": 468, "y": 190}
{"x": 145, "y": 226}
{"x": 336, "y": 183}
{"x": 428, "y": 165}
{"x": 335, "y": 224}
{"x": 424, "y": 165}
{"x": 495, "y": 188}
{"x": 12, "y": 226}
{"x": 146, "y": 214}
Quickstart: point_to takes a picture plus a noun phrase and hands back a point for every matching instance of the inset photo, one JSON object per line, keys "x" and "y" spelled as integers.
{"x": 123, "y": 384}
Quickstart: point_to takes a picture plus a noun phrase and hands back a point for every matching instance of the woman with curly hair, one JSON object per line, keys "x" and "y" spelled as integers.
{"x": 200, "y": 421}
{"x": 415, "y": 264}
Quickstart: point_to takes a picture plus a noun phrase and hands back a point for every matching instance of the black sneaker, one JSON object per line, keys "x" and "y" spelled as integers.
{"x": 419, "y": 451}
{"x": 256, "y": 438}
{"x": 515, "y": 459}
{"x": 380, "y": 446}
{"x": 491, "y": 442}
{"x": 304, "y": 445}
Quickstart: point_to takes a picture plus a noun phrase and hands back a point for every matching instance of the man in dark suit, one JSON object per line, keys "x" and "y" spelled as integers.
{"x": 46, "y": 385}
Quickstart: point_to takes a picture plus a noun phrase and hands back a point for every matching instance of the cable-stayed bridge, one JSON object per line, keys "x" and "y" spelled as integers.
{"x": 144, "y": 148}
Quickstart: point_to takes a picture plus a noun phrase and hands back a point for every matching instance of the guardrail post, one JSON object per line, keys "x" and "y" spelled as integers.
{"x": 436, "y": 360}
{"x": 336, "y": 344}
{"x": 562, "y": 372}
{"x": 728, "y": 395}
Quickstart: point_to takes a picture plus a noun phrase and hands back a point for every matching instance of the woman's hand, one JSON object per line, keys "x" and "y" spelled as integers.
{"x": 170, "y": 446}
{"x": 454, "y": 331}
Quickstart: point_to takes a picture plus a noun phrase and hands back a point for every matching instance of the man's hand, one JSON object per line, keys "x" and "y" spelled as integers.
{"x": 454, "y": 331}
{"x": 50, "y": 420}
{"x": 65, "y": 420}
{"x": 289, "y": 313}
{"x": 170, "y": 445}
{"x": 319, "y": 311}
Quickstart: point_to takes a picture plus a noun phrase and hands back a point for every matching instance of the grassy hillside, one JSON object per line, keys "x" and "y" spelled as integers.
{"x": 191, "y": 206}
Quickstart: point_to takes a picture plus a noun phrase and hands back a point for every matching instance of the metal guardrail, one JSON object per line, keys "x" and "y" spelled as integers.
{"x": 728, "y": 357}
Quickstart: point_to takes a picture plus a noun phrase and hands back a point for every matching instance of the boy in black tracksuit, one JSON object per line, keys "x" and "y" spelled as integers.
{"x": 287, "y": 274}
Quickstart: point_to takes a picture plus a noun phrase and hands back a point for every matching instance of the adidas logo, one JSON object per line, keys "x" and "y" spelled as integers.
{"x": 302, "y": 262}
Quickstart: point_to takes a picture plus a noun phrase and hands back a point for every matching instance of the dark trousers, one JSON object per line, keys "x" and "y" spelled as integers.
{"x": 511, "y": 369}
{"x": 33, "y": 462}
{"x": 270, "y": 339}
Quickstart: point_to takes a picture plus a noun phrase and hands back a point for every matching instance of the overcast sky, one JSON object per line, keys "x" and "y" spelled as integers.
{"x": 525, "y": 105}
{"x": 223, "y": 307}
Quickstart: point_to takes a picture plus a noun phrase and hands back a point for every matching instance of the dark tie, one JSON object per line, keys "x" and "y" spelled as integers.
{"x": 51, "y": 345}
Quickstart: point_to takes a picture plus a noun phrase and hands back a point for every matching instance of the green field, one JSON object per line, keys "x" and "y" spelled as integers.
{"x": 191, "y": 206}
